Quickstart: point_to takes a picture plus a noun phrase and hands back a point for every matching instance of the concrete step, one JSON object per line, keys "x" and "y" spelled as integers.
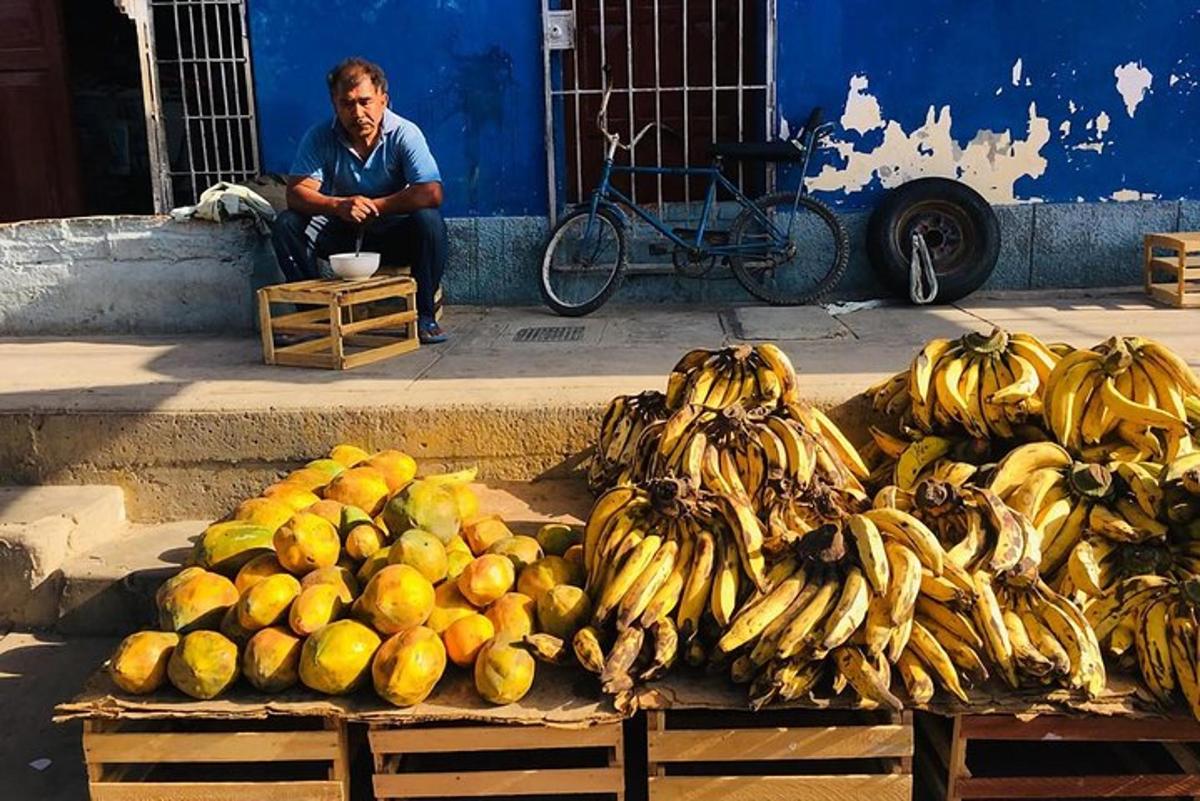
{"x": 110, "y": 589}
{"x": 41, "y": 528}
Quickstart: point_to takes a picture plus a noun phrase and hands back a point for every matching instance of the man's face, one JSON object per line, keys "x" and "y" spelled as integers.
{"x": 360, "y": 110}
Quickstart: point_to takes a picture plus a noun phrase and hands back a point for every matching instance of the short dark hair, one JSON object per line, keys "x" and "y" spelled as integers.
{"x": 347, "y": 74}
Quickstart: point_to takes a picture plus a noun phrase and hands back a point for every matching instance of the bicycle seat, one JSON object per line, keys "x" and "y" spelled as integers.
{"x": 757, "y": 151}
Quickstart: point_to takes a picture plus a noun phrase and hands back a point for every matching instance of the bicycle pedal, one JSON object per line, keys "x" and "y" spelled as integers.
{"x": 660, "y": 249}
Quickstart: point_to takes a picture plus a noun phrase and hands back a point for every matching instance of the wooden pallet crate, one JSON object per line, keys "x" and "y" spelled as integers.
{"x": 439, "y": 761}
{"x": 346, "y": 329}
{"x": 184, "y": 759}
{"x": 810, "y": 754}
{"x": 1178, "y": 256}
{"x": 960, "y": 767}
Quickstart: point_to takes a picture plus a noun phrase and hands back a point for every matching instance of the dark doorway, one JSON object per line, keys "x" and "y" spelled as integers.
{"x": 106, "y": 100}
{"x": 38, "y": 175}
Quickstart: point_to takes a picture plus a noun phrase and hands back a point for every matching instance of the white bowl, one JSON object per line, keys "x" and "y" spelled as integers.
{"x": 354, "y": 268}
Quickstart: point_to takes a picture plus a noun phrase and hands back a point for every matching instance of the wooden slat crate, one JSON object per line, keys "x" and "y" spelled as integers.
{"x": 345, "y": 329}
{"x": 1181, "y": 264}
{"x": 1102, "y": 746}
{"x": 422, "y": 761}
{"x": 280, "y": 759}
{"x": 815, "y": 755}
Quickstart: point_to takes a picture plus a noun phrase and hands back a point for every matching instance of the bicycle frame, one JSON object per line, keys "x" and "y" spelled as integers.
{"x": 605, "y": 193}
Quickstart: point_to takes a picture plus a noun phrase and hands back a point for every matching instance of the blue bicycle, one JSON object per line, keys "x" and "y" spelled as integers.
{"x": 786, "y": 248}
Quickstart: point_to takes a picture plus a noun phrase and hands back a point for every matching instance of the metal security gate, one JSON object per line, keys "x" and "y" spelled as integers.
{"x": 703, "y": 69}
{"x": 199, "y": 95}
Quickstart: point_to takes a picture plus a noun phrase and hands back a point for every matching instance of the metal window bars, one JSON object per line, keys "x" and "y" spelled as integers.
{"x": 708, "y": 68}
{"x": 199, "y": 95}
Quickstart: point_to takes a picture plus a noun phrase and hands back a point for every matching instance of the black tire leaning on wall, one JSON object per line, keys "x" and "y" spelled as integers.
{"x": 959, "y": 226}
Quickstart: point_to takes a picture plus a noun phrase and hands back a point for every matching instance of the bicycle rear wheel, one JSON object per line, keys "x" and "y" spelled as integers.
{"x": 583, "y": 262}
{"x": 804, "y": 269}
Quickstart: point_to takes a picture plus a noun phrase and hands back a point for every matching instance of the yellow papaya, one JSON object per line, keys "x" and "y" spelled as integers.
{"x": 203, "y": 665}
{"x": 139, "y": 665}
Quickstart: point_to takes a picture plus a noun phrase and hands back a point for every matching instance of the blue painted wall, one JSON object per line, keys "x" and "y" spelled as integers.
{"x": 469, "y": 73}
{"x": 949, "y": 53}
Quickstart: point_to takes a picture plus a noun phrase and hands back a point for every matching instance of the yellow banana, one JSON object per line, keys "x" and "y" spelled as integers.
{"x": 635, "y": 563}
{"x": 1023, "y": 461}
{"x": 990, "y": 620}
{"x": 848, "y": 614}
{"x": 905, "y": 581}
{"x": 697, "y": 585}
{"x": 1154, "y": 650}
{"x": 917, "y": 681}
{"x": 754, "y": 618}
{"x": 912, "y": 532}
{"x": 866, "y": 680}
{"x": 635, "y": 600}
{"x": 795, "y": 636}
{"x": 723, "y": 597}
{"x": 918, "y": 456}
{"x": 868, "y": 543}
{"x": 936, "y": 659}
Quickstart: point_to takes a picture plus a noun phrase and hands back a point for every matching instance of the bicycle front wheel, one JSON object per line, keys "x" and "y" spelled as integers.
{"x": 583, "y": 262}
{"x": 798, "y": 258}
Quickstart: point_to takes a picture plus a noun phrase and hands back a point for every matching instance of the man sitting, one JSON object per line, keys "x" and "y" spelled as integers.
{"x": 367, "y": 169}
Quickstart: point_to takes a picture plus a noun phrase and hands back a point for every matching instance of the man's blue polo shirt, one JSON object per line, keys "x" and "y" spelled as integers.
{"x": 401, "y": 157}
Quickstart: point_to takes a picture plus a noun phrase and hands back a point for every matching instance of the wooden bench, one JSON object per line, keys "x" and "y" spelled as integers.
{"x": 1181, "y": 262}
{"x": 347, "y": 329}
{"x": 474, "y": 760}
{"x": 778, "y": 754}
{"x": 182, "y": 759}
{"x": 1102, "y": 747}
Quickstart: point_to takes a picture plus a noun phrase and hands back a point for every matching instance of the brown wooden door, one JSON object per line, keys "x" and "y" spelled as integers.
{"x": 38, "y": 175}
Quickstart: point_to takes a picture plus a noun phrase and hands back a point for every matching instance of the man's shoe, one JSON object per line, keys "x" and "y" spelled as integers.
{"x": 430, "y": 333}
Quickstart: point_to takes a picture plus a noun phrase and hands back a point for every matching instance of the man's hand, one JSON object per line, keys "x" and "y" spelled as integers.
{"x": 357, "y": 209}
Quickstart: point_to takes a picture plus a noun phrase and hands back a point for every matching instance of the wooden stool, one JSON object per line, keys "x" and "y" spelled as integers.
{"x": 335, "y": 331}
{"x": 404, "y": 269}
{"x": 1183, "y": 263}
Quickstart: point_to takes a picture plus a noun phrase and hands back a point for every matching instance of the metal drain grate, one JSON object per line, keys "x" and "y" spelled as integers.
{"x": 550, "y": 333}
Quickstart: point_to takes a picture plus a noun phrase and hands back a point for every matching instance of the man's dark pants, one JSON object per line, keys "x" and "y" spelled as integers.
{"x": 417, "y": 239}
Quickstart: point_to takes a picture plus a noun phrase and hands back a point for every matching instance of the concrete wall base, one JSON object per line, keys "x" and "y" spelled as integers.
{"x": 154, "y": 275}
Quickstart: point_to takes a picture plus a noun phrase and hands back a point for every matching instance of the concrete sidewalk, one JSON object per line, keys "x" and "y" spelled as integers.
{"x": 516, "y": 390}
{"x": 521, "y": 357}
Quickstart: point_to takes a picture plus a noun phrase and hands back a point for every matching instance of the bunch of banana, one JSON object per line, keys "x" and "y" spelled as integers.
{"x": 1150, "y": 622}
{"x": 663, "y": 561}
{"x": 840, "y": 605}
{"x": 987, "y": 385}
{"x": 905, "y": 463}
{"x": 989, "y": 613}
{"x": 625, "y": 420}
{"x": 1096, "y": 564}
{"x": 737, "y": 449}
{"x": 1064, "y": 499}
{"x": 1125, "y": 399}
{"x": 759, "y": 375}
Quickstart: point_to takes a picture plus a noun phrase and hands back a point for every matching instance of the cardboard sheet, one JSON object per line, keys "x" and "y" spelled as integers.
{"x": 562, "y": 697}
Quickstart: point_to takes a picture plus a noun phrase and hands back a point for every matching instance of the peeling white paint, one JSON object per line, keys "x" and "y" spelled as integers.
{"x": 991, "y": 162}
{"x": 862, "y": 111}
{"x": 1174, "y": 79}
{"x": 1064, "y": 128}
{"x": 1132, "y": 194}
{"x": 1016, "y": 73}
{"x": 1133, "y": 83}
{"x": 1099, "y": 127}
{"x": 1071, "y": 107}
